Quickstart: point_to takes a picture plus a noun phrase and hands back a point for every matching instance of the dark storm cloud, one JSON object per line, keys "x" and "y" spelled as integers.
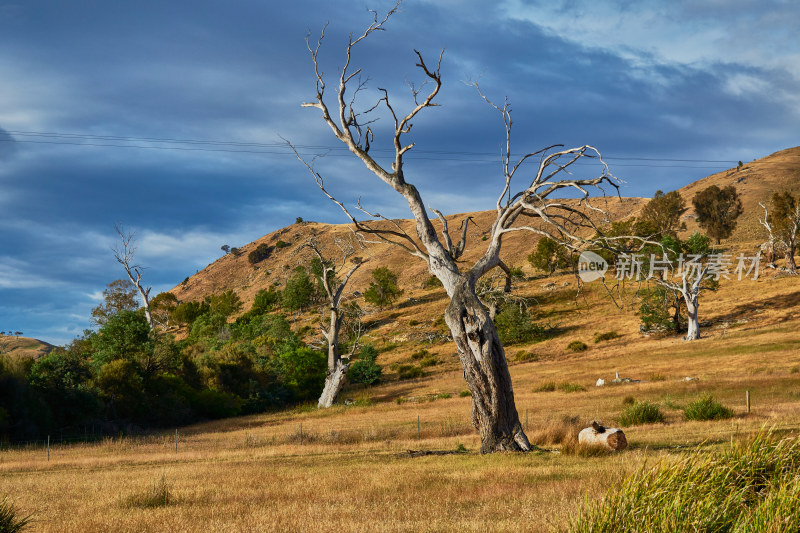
{"x": 679, "y": 85}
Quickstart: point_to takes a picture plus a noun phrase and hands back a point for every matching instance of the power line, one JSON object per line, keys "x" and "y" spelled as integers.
{"x": 220, "y": 146}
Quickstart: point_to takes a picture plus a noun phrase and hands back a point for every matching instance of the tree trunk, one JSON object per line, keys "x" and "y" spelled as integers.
{"x": 791, "y": 266}
{"x": 677, "y": 317}
{"x": 693, "y": 332}
{"x": 494, "y": 413}
{"x": 337, "y": 372}
{"x": 334, "y": 383}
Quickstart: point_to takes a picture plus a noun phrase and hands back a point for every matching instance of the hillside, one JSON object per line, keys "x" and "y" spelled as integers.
{"x": 23, "y": 347}
{"x": 755, "y": 182}
{"x": 573, "y": 312}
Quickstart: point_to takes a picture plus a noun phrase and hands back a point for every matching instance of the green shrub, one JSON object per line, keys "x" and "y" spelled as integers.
{"x": 707, "y": 408}
{"x": 640, "y": 413}
{"x": 577, "y": 346}
{"x": 9, "y": 521}
{"x": 281, "y": 244}
{"x": 547, "y": 386}
{"x": 427, "y": 361}
{"x": 383, "y": 290}
{"x": 261, "y": 252}
{"x": 464, "y": 394}
{"x": 409, "y": 371}
{"x": 523, "y": 357}
{"x": 365, "y": 370}
{"x": 607, "y": 336}
{"x": 419, "y": 354}
{"x": 443, "y": 396}
{"x": 571, "y": 387}
{"x": 515, "y": 326}
{"x": 746, "y": 487}
{"x": 413, "y": 322}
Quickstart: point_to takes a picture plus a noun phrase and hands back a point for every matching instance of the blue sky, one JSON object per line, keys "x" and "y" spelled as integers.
{"x": 702, "y": 80}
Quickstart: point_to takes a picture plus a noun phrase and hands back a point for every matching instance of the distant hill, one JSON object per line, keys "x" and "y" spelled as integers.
{"x": 23, "y": 347}
{"x": 755, "y": 182}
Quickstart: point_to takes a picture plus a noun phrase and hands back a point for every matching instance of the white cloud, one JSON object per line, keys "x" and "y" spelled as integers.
{"x": 761, "y": 35}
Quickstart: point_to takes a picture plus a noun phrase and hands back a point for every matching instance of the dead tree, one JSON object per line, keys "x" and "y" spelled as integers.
{"x": 785, "y": 220}
{"x": 480, "y": 351}
{"x": 124, "y": 253}
{"x": 334, "y": 289}
{"x": 692, "y": 282}
{"x": 770, "y": 244}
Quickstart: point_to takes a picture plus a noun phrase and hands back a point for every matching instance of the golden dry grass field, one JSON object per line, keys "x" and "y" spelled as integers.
{"x": 352, "y": 471}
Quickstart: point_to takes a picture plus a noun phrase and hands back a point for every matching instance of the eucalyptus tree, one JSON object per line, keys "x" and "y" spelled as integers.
{"x": 334, "y": 289}
{"x": 531, "y": 209}
{"x": 125, "y": 253}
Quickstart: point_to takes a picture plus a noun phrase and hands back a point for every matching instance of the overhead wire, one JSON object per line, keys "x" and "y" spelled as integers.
{"x": 275, "y": 148}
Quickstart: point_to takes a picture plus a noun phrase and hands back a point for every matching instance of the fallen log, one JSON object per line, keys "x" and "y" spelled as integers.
{"x": 599, "y": 435}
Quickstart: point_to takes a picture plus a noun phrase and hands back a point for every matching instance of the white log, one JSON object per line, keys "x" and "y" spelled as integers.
{"x": 597, "y": 435}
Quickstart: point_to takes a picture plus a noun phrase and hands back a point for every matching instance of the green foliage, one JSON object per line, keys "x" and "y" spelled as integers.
{"x": 9, "y": 521}
{"x": 119, "y": 295}
{"x": 125, "y": 335}
{"x": 432, "y": 282}
{"x": 654, "y": 309}
{"x": 408, "y": 371}
{"x": 697, "y": 244}
{"x": 419, "y": 354}
{"x": 664, "y": 212}
{"x": 550, "y": 256}
{"x": 707, "y": 408}
{"x": 383, "y": 290}
{"x": 261, "y": 252}
{"x": 515, "y": 326}
{"x": 639, "y": 413}
{"x": 577, "y": 346}
{"x": 162, "y": 308}
{"x": 571, "y": 387}
{"x": 464, "y": 394}
{"x": 303, "y": 370}
{"x": 747, "y": 487}
{"x": 364, "y": 369}
{"x": 281, "y": 244}
{"x": 187, "y": 312}
{"x": 298, "y": 291}
{"x": 224, "y": 304}
{"x": 607, "y": 336}
{"x": 717, "y": 210}
{"x": 121, "y": 385}
{"x": 551, "y": 386}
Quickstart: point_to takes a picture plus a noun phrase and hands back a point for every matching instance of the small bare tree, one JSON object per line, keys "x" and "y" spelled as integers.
{"x": 480, "y": 351}
{"x": 692, "y": 282}
{"x": 124, "y": 253}
{"x": 785, "y": 220}
{"x": 770, "y": 244}
{"x": 334, "y": 290}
